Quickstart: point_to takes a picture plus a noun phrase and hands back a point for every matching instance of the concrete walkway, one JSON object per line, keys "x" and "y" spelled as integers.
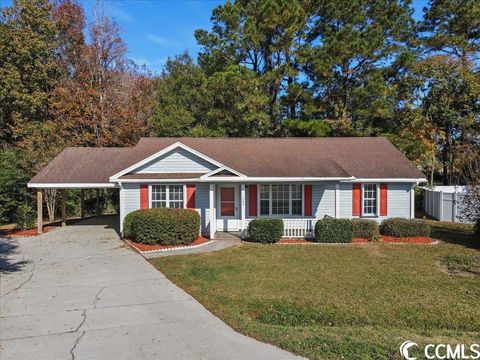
{"x": 79, "y": 293}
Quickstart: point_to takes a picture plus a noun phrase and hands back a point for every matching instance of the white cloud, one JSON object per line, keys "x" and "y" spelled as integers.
{"x": 162, "y": 41}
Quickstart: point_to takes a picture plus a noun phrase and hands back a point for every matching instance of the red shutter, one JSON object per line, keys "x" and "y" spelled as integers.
{"x": 356, "y": 199}
{"x": 383, "y": 200}
{"x": 307, "y": 206}
{"x": 144, "y": 196}
{"x": 190, "y": 196}
{"x": 252, "y": 200}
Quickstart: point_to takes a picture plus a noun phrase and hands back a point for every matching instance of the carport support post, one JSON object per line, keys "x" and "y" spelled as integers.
{"x": 64, "y": 208}
{"x": 98, "y": 202}
{"x": 82, "y": 203}
{"x": 39, "y": 211}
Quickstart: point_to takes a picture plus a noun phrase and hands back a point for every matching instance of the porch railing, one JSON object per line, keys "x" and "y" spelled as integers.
{"x": 292, "y": 228}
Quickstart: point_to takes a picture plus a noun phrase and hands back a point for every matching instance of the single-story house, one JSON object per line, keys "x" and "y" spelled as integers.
{"x": 231, "y": 181}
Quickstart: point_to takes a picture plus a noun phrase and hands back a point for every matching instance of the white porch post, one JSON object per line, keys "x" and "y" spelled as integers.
{"x": 337, "y": 201}
{"x": 242, "y": 205}
{"x": 412, "y": 202}
{"x": 213, "y": 223}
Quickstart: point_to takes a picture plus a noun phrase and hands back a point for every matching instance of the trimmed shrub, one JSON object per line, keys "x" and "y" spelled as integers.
{"x": 163, "y": 226}
{"x": 365, "y": 229}
{"x": 334, "y": 231}
{"x": 265, "y": 230}
{"x": 400, "y": 227}
{"x": 127, "y": 223}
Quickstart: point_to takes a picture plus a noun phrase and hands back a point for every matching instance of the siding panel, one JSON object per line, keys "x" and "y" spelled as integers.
{"x": 202, "y": 205}
{"x": 131, "y": 199}
{"x": 177, "y": 161}
{"x": 323, "y": 200}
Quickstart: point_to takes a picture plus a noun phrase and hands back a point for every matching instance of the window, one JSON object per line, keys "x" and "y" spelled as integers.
{"x": 370, "y": 199}
{"x": 264, "y": 199}
{"x": 167, "y": 196}
{"x": 281, "y": 199}
{"x": 296, "y": 199}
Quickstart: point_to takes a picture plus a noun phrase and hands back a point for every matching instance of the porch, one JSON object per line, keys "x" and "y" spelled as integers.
{"x": 232, "y": 206}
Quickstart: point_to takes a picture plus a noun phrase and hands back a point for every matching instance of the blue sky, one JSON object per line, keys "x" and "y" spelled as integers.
{"x": 157, "y": 29}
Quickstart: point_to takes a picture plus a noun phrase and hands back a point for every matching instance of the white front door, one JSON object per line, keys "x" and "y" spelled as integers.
{"x": 227, "y": 208}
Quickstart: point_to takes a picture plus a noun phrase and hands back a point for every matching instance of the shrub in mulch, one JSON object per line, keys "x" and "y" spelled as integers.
{"x": 399, "y": 227}
{"x": 365, "y": 229}
{"x": 265, "y": 230}
{"x": 165, "y": 226}
{"x": 334, "y": 231}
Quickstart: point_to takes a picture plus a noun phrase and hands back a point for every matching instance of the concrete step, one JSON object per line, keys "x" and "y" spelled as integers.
{"x": 228, "y": 236}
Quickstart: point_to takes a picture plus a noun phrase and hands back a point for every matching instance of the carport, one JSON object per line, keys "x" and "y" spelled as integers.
{"x": 63, "y": 188}
{"x": 78, "y": 168}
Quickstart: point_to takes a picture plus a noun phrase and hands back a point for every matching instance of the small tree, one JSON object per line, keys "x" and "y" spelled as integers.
{"x": 471, "y": 174}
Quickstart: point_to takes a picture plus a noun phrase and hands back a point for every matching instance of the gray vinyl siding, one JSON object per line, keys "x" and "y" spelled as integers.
{"x": 202, "y": 203}
{"x": 323, "y": 198}
{"x": 130, "y": 199}
{"x": 177, "y": 161}
{"x": 398, "y": 200}
{"x": 345, "y": 200}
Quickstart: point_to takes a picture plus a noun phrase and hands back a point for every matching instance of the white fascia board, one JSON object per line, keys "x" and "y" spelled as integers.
{"x": 71, "y": 185}
{"x": 389, "y": 180}
{"x": 122, "y": 181}
{"x": 160, "y": 153}
{"x": 273, "y": 179}
{"x": 213, "y": 172}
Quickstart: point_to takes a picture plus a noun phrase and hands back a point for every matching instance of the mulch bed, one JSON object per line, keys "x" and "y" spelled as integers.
{"x": 144, "y": 247}
{"x": 384, "y": 239}
{"x": 25, "y": 233}
{"x": 395, "y": 240}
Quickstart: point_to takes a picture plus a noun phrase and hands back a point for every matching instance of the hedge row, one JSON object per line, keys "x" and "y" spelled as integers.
{"x": 399, "y": 227}
{"x": 162, "y": 226}
{"x": 343, "y": 230}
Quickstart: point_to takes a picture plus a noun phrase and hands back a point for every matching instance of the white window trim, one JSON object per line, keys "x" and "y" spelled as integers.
{"x": 376, "y": 214}
{"x": 167, "y": 194}
{"x": 289, "y": 215}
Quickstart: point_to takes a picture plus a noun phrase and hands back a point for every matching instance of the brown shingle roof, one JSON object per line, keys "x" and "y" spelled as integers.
{"x": 365, "y": 157}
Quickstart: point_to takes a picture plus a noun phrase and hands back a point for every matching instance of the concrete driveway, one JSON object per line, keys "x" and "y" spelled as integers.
{"x": 79, "y": 293}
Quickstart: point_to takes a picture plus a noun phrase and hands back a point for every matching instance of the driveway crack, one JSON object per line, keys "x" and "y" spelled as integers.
{"x": 77, "y": 341}
{"x": 22, "y": 284}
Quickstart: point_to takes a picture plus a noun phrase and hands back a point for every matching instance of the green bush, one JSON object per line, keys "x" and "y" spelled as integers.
{"x": 163, "y": 226}
{"x": 365, "y": 229}
{"x": 24, "y": 217}
{"x": 265, "y": 231}
{"x": 334, "y": 231}
{"x": 400, "y": 227}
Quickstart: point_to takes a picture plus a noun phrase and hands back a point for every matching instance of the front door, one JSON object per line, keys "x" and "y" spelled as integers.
{"x": 227, "y": 208}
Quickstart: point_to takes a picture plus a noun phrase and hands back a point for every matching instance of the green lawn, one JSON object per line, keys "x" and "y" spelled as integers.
{"x": 340, "y": 301}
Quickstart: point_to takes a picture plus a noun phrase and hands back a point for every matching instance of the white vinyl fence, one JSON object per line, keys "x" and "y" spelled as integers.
{"x": 444, "y": 202}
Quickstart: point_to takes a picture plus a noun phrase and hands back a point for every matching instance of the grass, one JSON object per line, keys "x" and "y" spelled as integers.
{"x": 339, "y": 301}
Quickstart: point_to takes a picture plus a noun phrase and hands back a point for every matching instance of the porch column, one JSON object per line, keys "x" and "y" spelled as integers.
{"x": 337, "y": 201}
{"x": 39, "y": 211}
{"x": 82, "y": 203}
{"x": 64, "y": 208}
{"x": 213, "y": 224}
{"x": 98, "y": 202}
{"x": 242, "y": 205}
